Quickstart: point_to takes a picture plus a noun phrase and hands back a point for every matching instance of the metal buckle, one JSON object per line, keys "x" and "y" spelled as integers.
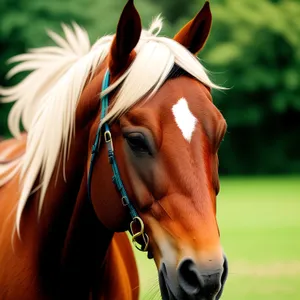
{"x": 141, "y": 233}
{"x": 124, "y": 201}
{"x": 107, "y": 136}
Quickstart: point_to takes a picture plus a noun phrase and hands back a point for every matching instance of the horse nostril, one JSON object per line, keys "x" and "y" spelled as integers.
{"x": 162, "y": 283}
{"x": 189, "y": 278}
{"x": 223, "y": 277}
{"x": 195, "y": 283}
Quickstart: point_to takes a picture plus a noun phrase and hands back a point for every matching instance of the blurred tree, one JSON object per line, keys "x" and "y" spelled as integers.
{"x": 254, "y": 49}
{"x": 23, "y": 25}
{"x": 173, "y": 10}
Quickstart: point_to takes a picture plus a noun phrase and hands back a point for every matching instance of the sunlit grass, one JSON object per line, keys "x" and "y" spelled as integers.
{"x": 259, "y": 220}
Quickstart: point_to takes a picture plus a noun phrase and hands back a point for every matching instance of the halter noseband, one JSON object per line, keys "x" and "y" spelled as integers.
{"x": 116, "y": 174}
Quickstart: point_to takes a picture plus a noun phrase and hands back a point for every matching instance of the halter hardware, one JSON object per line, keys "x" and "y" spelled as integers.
{"x": 124, "y": 200}
{"x": 107, "y": 136}
{"x": 141, "y": 233}
{"x": 136, "y": 235}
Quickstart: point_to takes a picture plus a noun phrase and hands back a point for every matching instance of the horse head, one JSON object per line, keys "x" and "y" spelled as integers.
{"x": 166, "y": 133}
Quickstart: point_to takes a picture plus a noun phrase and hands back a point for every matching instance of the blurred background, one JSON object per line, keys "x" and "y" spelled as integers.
{"x": 253, "y": 49}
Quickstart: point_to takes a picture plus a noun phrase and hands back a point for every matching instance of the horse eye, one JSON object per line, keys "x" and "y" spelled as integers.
{"x": 138, "y": 143}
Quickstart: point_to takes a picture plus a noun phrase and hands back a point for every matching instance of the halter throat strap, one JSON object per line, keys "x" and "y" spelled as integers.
{"x": 110, "y": 149}
{"x": 116, "y": 174}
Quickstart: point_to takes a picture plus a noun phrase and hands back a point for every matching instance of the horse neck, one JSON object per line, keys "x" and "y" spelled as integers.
{"x": 74, "y": 250}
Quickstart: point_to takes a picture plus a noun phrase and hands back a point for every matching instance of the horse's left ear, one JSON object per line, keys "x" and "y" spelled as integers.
{"x": 127, "y": 36}
{"x": 195, "y": 33}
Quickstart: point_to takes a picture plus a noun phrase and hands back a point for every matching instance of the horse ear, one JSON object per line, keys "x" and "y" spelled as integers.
{"x": 195, "y": 33}
{"x": 127, "y": 36}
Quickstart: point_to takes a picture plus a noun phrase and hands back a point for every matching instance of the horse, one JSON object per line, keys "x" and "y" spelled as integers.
{"x": 115, "y": 137}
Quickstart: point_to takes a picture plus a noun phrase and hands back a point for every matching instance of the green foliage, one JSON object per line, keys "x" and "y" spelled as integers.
{"x": 23, "y": 25}
{"x": 254, "y": 50}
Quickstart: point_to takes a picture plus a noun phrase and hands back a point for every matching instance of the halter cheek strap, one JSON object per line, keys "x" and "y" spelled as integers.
{"x": 139, "y": 238}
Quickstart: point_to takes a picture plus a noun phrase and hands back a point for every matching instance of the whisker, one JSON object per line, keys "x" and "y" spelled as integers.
{"x": 153, "y": 291}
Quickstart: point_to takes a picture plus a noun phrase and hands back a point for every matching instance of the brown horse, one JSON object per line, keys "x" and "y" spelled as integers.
{"x": 55, "y": 242}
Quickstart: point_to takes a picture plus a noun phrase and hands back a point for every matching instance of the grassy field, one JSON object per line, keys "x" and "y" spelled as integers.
{"x": 259, "y": 220}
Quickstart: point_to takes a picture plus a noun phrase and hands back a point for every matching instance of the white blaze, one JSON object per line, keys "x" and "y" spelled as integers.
{"x": 184, "y": 118}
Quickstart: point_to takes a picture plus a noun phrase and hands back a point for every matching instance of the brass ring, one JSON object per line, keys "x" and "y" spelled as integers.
{"x": 140, "y": 233}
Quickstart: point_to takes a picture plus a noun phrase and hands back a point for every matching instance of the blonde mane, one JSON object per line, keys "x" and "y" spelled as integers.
{"x": 46, "y": 100}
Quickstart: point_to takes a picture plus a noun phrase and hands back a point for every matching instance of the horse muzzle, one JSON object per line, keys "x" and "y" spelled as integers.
{"x": 190, "y": 282}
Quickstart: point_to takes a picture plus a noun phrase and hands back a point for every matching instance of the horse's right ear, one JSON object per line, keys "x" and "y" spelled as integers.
{"x": 127, "y": 36}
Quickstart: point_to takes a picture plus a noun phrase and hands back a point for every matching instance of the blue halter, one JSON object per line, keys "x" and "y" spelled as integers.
{"x": 139, "y": 238}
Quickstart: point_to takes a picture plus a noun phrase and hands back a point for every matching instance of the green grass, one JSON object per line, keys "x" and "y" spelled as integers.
{"x": 259, "y": 219}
